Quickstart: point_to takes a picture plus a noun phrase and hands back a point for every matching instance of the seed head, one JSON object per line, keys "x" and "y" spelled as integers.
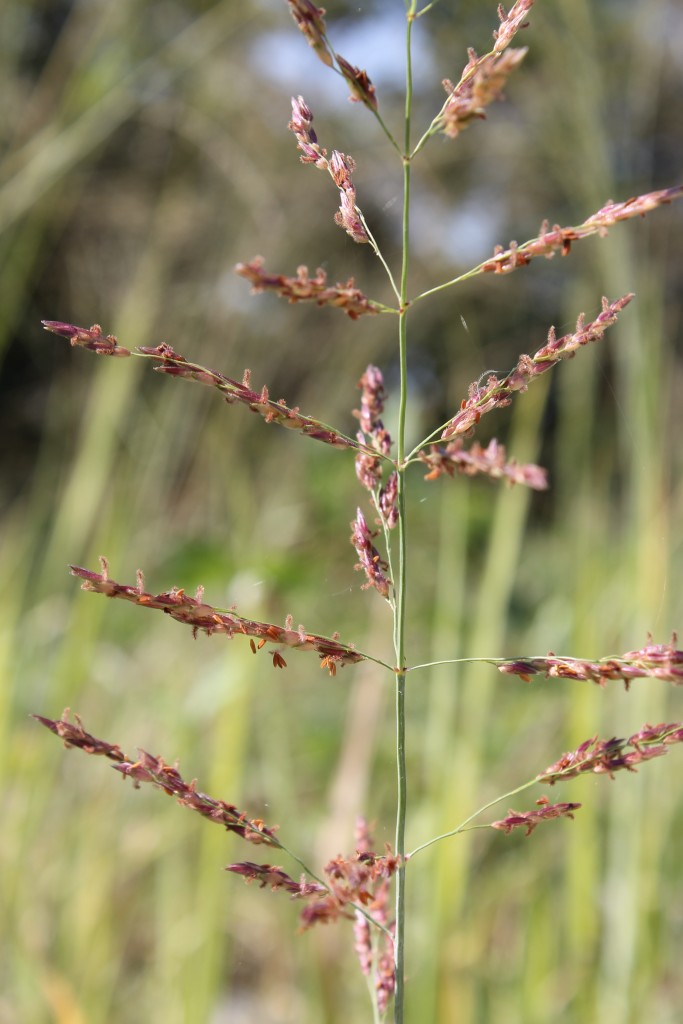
{"x": 370, "y": 560}
{"x": 362, "y": 89}
{"x": 311, "y": 22}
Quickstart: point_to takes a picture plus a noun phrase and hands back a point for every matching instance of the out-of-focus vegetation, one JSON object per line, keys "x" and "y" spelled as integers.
{"x": 145, "y": 152}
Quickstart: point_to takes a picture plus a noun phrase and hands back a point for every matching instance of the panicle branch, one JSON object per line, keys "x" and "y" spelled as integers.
{"x": 605, "y": 757}
{"x": 359, "y": 881}
{"x": 528, "y": 820}
{"x": 599, "y": 757}
{"x": 339, "y": 166}
{"x": 496, "y": 393}
{"x": 304, "y": 288}
{"x": 311, "y": 22}
{"x": 362, "y": 879}
{"x": 372, "y": 435}
{"x": 558, "y": 239}
{"x": 203, "y": 617}
{"x": 481, "y": 83}
{"x": 483, "y": 78}
{"x": 175, "y": 365}
{"x": 491, "y": 461}
{"x": 154, "y": 770}
{"x": 654, "y": 661}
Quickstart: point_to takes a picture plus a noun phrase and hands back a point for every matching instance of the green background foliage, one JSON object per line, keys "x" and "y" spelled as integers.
{"x": 145, "y": 153}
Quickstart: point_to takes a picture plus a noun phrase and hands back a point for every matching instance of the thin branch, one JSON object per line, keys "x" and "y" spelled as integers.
{"x": 203, "y": 617}
{"x": 175, "y": 365}
{"x": 558, "y": 239}
{"x": 654, "y": 661}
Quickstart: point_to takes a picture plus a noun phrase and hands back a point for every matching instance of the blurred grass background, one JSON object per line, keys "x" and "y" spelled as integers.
{"x": 145, "y": 152}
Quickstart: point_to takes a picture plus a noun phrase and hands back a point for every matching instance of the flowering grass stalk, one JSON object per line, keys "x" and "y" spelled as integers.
{"x": 357, "y": 888}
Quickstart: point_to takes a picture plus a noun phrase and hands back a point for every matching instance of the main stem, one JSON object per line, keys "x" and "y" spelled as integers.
{"x": 400, "y": 619}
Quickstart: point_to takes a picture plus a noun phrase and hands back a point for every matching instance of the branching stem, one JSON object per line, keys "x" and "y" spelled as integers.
{"x": 400, "y": 616}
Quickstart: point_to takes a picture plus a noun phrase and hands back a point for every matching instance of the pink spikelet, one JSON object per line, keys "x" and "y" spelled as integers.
{"x": 529, "y": 820}
{"x": 654, "y": 661}
{"x": 496, "y": 393}
{"x": 339, "y": 165}
{"x": 490, "y": 461}
{"x": 203, "y": 617}
{"x": 302, "y": 287}
{"x": 369, "y": 559}
{"x": 311, "y": 23}
{"x": 373, "y": 435}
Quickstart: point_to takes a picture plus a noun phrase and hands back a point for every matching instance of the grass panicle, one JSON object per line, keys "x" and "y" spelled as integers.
{"x": 369, "y": 892}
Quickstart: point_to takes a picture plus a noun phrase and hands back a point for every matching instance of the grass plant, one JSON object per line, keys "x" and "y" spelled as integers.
{"x": 468, "y": 935}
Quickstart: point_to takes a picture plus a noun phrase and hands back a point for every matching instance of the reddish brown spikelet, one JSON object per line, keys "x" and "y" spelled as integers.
{"x": 370, "y": 560}
{"x": 528, "y": 820}
{"x": 156, "y": 771}
{"x": 368, "y": 468}
{"x": 662, "y": 733}
{"x": 307, "y": 140}
{"x": 340, "y": 167}
{"x": 654, "y": 661}
{"x": 304, "y": 288}
{"x": 481, "y": 83}
{"x": 372, "y": 435}
{"x": 361, "y": 880}
{"x": 74, "y": 735}
{"x": 373, "y": 395}
{"x": 174, "y": 364}
{"x": 362, "y": 89}
{"x": 558, "y": 239}
{"x": 388, "y": 501}
{"x": 203, "y": 617}
{"x": 496, "y": 393}
{"x": 87, "y": 337}
{"x": 605, "y": 757}
{"x": 352, "y": 880}
{"x": 311, "y": 22}
{"x": 378, "y": 962}
{"x": 275, "y": 878}
{"x": 511, "y": 23}
{"x": 362, "y": 942}
{"x": 257, "y": 401}
{"x": 490, "y": 461}
{"x": 348, "y": 216}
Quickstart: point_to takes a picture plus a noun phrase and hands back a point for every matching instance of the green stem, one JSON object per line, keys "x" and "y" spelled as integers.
{"x": 457, "y": 661}
{"x": 455, "y": 280}
{"x": 400, "y": 617}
